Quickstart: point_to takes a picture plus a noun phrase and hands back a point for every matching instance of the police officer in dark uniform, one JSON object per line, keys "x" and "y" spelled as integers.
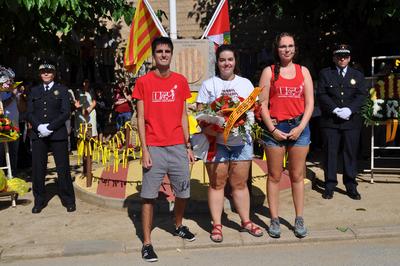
{"x": 341, "y": 93}
{"x": 48, "y": 109}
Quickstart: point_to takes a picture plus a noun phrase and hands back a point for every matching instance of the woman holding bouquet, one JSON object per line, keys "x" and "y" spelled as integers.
{"x": 287, "y": 103}
{"x": 231, "y": 160}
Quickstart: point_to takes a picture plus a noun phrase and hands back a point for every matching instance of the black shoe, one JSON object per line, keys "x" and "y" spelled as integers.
{"x": 183, "y": 231}
{"x": 353, "y": 193}
{"x": 71, "y": 208}
{"x": 328, "y": 194}
{"x": 38, "y": 208}
{"x": 148, "y": 253}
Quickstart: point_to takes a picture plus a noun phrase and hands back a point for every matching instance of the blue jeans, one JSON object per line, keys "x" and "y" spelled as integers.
{"x": 286, "y": 126}
{"x": 122, "y": 118}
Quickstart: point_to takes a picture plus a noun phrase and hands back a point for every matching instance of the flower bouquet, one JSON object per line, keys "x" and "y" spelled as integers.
{"x": 8, "y": 132}
{"x": 218, "y": 112}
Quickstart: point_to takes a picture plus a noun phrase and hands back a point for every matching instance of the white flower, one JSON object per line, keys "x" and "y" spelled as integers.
{"x": 6, "y": 76}
{"x": 377, "y": 107}
{"x": 250, "y": 117}
{"x": 235, "y": 131}
{"x": 3, "y": 79}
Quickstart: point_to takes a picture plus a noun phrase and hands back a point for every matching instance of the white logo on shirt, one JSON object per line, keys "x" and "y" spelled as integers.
{"x": 164, "y": 96}
{"x": 290, "y": 92}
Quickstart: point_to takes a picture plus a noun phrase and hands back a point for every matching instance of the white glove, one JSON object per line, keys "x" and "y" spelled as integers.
{"x": 336, "y": 110}
{"x": 43, "y": 131}
{"x": 344, "y": 113}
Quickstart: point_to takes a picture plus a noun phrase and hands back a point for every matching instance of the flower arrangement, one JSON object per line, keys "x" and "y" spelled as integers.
{"x": 383, "y": 101}
{"x": 218, "y": 112}
{"x": 8, "y": 132}
{"x": 7, "y": 79}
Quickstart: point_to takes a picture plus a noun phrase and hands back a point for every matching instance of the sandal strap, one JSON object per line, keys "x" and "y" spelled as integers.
{"x": 219, "y": 226}
{"x": 253, "y": 227}
{"x": 217, "y": 229}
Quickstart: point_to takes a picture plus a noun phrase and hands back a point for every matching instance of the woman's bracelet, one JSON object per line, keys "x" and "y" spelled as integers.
{"x": 273, "y": 130}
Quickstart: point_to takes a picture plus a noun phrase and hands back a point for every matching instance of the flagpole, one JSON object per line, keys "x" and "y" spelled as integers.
{"x": 172, "y": 22}
{"x": 155, "y": 18}
{"x": 214, "y": 17}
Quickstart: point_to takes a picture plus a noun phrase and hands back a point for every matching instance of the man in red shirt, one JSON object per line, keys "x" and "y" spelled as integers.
{"x": 164, "y": 134}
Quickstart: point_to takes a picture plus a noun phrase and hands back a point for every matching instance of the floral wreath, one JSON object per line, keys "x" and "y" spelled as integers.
{"x": 383, "y": 105}
{"x": 383, "y": 101}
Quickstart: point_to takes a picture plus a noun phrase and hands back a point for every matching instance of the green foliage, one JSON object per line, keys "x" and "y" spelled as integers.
{"x": 367, "y": 112}
{"x": 50, "y": 15}
{"x": 30, "y": 26}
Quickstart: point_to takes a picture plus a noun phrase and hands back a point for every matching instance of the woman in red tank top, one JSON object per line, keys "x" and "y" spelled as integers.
{"x": 287, "y": 102}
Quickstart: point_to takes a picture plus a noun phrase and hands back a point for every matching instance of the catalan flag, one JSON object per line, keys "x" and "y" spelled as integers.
{"x": 145, "y": 28}
{"x": 218, "y": 30}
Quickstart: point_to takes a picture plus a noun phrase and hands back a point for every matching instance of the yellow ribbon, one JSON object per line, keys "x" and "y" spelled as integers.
{"x": 240, "y": 110}
{"x": 128, "y": 124}
{"x": 391, "y": 129}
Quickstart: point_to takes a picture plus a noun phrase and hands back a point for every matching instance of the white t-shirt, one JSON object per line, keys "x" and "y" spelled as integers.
{"x": 215, "y": 87}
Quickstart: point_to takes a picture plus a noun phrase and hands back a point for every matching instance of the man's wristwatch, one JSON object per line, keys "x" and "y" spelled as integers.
{"x": 188, "y": 146}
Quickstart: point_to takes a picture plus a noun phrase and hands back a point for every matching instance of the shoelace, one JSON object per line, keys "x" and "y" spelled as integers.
{"x": 300, "y": 222}
{"x": 182, "y": 231}
{"x": 146, "y": 251}
{"x": 274, "y": 223}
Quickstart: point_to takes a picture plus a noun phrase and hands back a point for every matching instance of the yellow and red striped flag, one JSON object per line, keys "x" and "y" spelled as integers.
{"x": 145, "y": 28}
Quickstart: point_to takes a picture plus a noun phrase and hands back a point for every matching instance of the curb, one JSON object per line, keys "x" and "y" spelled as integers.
{"x": 92, "y": 247}
{"x": 161, "y": 206}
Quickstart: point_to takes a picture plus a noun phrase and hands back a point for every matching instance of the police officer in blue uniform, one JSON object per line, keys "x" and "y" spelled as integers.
{"x": 48, "y": 109}
{"x": 341, "y": 93}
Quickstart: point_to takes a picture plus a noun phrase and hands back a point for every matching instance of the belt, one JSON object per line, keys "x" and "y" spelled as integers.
{"x": 290, "y": 121}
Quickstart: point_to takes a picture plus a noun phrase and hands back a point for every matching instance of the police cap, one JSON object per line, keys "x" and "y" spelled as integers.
{"x": 341, "y": 50}
{"x": 47, "y": 65}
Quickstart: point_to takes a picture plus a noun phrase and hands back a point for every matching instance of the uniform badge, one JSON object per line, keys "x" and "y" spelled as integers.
{"x": 56, "y": 92}
{"x": 353, "y": 82}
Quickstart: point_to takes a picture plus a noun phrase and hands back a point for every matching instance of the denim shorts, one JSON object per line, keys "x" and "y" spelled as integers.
{"x": 286, "y": 126}
{"x": 233, "y": 153}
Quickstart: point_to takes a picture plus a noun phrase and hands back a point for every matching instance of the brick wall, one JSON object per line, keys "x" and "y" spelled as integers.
{"x": 186, "y": 27}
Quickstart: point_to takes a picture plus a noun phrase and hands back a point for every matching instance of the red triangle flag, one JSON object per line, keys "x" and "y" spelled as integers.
{"x": 220, "y": 29}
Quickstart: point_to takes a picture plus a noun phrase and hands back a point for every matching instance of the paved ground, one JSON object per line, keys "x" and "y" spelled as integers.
{"x": 92, "y": 229}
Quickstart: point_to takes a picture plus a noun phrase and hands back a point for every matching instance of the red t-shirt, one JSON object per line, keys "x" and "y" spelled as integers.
{"x": 286, "y": 96}
{"x": 163, "y": 100}
{"x": 123, "y": 107}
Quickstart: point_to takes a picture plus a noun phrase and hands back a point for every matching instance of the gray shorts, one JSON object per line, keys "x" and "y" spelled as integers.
{"x": 168, "y": 160}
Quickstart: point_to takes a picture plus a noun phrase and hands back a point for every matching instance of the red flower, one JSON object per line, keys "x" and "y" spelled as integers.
{"x": 225, "y": 106}
{"x": 257, "y": 111}
{"x": 213, "y": 105}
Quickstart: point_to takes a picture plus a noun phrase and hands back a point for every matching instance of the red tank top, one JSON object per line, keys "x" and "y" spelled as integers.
{"x": 286, "y": 96}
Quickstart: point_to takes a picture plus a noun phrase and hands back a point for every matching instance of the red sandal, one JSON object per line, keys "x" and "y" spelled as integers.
{"x": 253, "y": 229}
{"x": 216, "y": 231}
